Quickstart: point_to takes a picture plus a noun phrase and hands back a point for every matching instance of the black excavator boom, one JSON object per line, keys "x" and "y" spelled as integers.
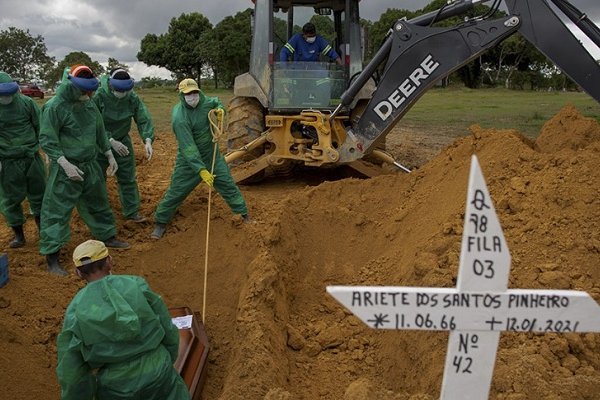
{"x": 415, "y": 56}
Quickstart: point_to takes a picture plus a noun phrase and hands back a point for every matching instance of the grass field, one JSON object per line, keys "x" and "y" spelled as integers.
{"x": 439, "y": 109}
{"x": 526, "y": 111}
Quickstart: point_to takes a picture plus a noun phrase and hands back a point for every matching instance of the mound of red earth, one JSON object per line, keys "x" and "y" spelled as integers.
{"x": 274, "y": 331}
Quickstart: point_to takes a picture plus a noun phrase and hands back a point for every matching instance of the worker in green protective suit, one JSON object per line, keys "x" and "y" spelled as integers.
{"x": 190, "y": 123}
{"x": 22, "y": 171}
{"x": 118, "y": 104}
{"x": 71, "y": 132}
{"x": 117, "y": 340}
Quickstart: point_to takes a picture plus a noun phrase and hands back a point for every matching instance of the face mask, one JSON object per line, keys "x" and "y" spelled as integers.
{"x": 84, "y": 98}
{"x": 192, "y": 99}
{"x": 120, "y": 95}
{"x": 5, "y": 100}
{"x": 310, "y": 39}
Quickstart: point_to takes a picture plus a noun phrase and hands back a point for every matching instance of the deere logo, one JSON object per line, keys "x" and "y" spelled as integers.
{"x": 385, "y": 107}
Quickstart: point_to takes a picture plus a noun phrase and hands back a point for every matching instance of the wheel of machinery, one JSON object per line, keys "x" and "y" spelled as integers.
{"x": 246, "y": 121}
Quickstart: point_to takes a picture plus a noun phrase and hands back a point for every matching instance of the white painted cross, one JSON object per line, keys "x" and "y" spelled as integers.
{"x": 479, "y": 308}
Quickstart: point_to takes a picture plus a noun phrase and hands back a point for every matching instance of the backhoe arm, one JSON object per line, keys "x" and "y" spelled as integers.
{"x": 542, "y": 27}
{"x": 419, "y": 56}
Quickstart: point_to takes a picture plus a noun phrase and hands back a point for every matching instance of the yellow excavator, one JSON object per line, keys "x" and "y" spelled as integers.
{"x": 321, "y": 114}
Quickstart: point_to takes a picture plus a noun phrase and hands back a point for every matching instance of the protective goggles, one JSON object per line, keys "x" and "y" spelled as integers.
{"x": 85, "y": 84}
{"x": 8, "y": 88}
{"x": 121, "y": 85}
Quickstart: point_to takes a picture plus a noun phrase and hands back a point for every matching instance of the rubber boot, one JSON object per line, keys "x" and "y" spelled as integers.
{"x": 115, "y": 243}
{"x": 137, "y": 218}
{"x": 54, "y": 265}
{"x": 19, "y": 240}
{"x": 159, "y": 231}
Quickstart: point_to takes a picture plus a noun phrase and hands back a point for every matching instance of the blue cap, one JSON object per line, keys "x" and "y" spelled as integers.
{"x": 8, "y": 88}
{"x": 85, "y": 84}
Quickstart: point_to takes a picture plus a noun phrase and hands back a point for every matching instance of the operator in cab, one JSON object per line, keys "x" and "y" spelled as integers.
{"x": 308, "y": 46}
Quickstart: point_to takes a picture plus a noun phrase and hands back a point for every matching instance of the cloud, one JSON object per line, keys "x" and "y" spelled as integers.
{"x": 103, "y": 29}
{"x": 114, "y": 28}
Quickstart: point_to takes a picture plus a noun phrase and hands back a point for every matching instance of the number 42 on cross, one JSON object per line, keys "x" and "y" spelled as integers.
{"x": 479, "y": 308}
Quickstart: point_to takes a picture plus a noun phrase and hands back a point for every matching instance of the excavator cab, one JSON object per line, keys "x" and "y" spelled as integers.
{"x": 284, "y": 86}
{"x": 287, "y": 98}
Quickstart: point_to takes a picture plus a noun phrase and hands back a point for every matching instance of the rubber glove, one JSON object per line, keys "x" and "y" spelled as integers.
{"x": 73, "y": 173}
{"x": 148, "y": 147}
{"x": 220, "y": 113}
{"x": 119, "y": 147}
{"x": 207, "y": 177}
{"x": 112, "y": 163}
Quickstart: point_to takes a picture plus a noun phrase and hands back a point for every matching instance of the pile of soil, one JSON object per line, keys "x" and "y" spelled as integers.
{"x": 274, "y": 332}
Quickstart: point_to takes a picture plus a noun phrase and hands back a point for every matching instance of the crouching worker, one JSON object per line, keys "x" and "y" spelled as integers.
{"x": 189, "y": 119}
{"x": 117, "y": 340}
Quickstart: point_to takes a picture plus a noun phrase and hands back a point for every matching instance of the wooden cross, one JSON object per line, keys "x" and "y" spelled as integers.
{"x": 479, "y": 308}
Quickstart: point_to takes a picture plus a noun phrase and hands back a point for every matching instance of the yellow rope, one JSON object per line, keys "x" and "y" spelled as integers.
{"x": 216, "y": 130}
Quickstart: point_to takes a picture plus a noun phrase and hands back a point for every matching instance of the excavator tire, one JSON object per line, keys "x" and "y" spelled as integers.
{"x": 246, "y": 121}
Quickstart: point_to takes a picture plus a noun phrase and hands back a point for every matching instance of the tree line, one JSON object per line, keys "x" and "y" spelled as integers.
{"x": 193, "y": 47}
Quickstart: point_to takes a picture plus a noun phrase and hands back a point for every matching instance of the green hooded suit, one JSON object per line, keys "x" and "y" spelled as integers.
{"x": 195, "y": 153}
{"x": 121, "y": 329}
{"x": 73, "y": 129}
{"x": 117, "y": 114}
{"x": 23, "y": 173}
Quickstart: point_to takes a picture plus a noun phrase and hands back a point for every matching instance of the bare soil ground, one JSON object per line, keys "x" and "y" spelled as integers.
{"x": 276, "y": 334}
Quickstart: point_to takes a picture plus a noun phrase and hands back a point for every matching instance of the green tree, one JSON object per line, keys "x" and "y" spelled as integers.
{"x": 324, "y": 26}
{"x": 179, "y": 50}
{"x": 380, "y": 28}
{"x": 73, "y": 58}
{"x": 24, "y": 57}
{"x": 114, "y": 63}
{"x": 279, "y": 34}
{"x": 227, "y": 47}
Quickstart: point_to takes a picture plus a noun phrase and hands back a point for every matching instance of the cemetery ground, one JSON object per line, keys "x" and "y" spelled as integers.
{"x": 274, "y": 331}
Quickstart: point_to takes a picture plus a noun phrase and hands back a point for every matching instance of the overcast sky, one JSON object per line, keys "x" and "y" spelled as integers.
{"x": 114, "y": 28}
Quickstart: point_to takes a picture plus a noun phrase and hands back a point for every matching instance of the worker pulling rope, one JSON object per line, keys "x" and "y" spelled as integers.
{"x": 216, "y": 130}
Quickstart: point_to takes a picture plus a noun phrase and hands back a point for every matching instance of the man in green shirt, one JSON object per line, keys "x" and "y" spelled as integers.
{"x": 71, "y": 133}
{"x": 189, "y": 120}
{"x": 22, "y": 171}
{"x": 117, "y": 340}
{"x": 119, "y": 104}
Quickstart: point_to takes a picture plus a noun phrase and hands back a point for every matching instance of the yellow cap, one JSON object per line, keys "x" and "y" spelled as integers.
{"x": 188, "y": 85}
{"x": 91, "y": 250}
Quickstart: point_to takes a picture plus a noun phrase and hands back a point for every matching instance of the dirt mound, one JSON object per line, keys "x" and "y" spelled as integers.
{"x": 275, "y": 334}
{"x": 567, "y": 130}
